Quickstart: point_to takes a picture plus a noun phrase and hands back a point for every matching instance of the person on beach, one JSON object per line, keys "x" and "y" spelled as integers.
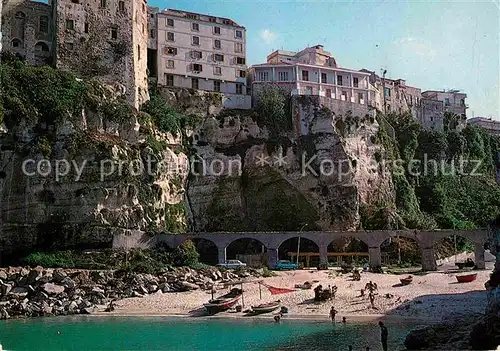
{"x": 383, "y": 335}
{"x": 333, "y": 312}
{"x": 277, "y": 318}
{"x": 344, "y": 320}
{"x": 372, "y": 299}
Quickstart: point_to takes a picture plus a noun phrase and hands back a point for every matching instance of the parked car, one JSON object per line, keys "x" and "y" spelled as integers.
{"x": 285, "y": 264}
{"x": 232, "y": 264}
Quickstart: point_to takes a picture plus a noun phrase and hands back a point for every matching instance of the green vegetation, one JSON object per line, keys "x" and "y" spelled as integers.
{"x": 167, "y": 119}
{"x": 30, "y": 95}
{"x": 135, "y": 260}
{"x": 273, "y": 108}
{"x": 443, "y": 179}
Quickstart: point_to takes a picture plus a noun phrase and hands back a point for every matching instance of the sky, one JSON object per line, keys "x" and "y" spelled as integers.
{"x": 433, "y": 45}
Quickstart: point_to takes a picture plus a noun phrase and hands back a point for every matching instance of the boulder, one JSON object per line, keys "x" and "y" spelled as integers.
{"x": 34, "y": 275}
{"x": 53, "y": 289}
{"x": 58, "y": 275}
{"x": 19, "y": 292}
{"x": 68, "y": 283}
{"x": 3, "y": 274}
{"x": 5, "y": 288}
{"x": 186, "y": 286}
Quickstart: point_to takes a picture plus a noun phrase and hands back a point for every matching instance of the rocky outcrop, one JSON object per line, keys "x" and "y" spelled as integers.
{"x": 80, "y": 181}
{"x": 26, "y": 292}
{"x": 250, "y": 180}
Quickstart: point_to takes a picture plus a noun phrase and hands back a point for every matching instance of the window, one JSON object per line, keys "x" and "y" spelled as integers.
{"x": 196, "y": 54}
{"x": 217, "y": 85}
{"x": 344, "y": 96}
{"x": 328, "y": 93}
{"x": 447, "y": 101}
{"x": 44, "y": 24}
{"x": 152, "y": 33}
{"x": 212, "y": 19}
{"x": 138, "y": 52}
{"x": 196, "y": 40}
{"x": 121, "y": 6}
{"x": 70, "y": 24}
{"x": 170, "y": 51}
{"x": 263, "y": 76}
{"x": 144, "y": 29}
{"x": 218, "y": 58}
{"x": 170, "y": 36}
{"x": 323, "y": 77}
{"x": 170, "y": 22}
{"x": 69, "y": 46}
{"x": 239, "y": 89}
{"x": 282, "y": 76}
{"x": 16, "y": 43}
{"x": 103, "y": 3}
{"x": 217, "y": 43}
{"x": 361, "y": 100}
{"x": 339, "y": 80}
{"x": 197, "y": 67}
{"x": 169, "y": 80}
{"x": 114, "y": 32}
{"x": 217, "y": 70}
{"x": 305, "y": 75}
{"x": 387, "y": 92}
{"x": 238, "y": 47}
{"x": 238, "y": 34}
{"x": 75, "y": 1}
{"x": 462, "y": 102}
{"x": 309, "y": 90}
{"x": 240, "y": 60}
{"x": 242, "y": 74}
{"x": 41, "y": 47}
{"x": 20, "y": 15}
{"x": 195, "y": 27}
{"x": 170, "y": 64}
{"x": 86, "y": 27}
{"x": 355, "y": 82}
{"x": 194, "y": 83}
{"x": 192, "y": 16}
{"x": 217, "y": 30}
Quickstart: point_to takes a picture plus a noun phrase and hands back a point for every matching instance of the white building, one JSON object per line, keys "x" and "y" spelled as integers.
{"x": 312, "y": 71}
{"x": 201, "y": 52}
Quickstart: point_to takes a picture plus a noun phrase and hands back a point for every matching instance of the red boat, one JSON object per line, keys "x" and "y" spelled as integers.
{"x": 224, "y": 302}
{"x": 466, "y": 278}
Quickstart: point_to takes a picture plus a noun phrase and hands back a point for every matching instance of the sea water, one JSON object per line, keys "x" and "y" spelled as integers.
{"x": 167, "y": 333}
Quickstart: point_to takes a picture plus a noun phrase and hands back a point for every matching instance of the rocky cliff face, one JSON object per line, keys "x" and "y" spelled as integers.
{"x": 79, "y": 182}
{"x": 239, "y": 178}
{"x": 249, "y": 180}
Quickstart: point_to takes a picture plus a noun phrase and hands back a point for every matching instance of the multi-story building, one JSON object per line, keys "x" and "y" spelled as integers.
{"x": 27, "y": 29}
{"x": 312, "y": 71}
{"x": 394, "y": 95}
{"x": 201, "y": 52}
{"x": 492, "y": 126}
{"x": 452, "y": 100}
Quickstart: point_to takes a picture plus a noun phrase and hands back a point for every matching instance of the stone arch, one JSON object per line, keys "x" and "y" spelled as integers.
{"x": 247, "y": 249}
{"x": 403, "y": 251}
{"x": 16, "y": 43}
{"x": 444, "y": 249}
{"x": 207, "y": 249}
{"x": 309, "y": 248}
{"x": 42, "y": 46}
{"x": 345, "y": 244}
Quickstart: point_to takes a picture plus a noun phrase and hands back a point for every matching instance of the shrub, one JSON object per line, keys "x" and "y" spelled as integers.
{"x": 185, "y": 254}
{"x": 61, "y": 259}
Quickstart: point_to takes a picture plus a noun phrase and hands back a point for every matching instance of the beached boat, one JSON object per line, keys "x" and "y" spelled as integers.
{"x": 224, "y": 302}
{"x": 266, "y": 307}
{"x": 407, "y": 280}
{"x": 466, "y": 278}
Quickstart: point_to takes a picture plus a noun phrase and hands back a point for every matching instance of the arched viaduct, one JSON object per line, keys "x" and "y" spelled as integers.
{"x": 373, "y": 239}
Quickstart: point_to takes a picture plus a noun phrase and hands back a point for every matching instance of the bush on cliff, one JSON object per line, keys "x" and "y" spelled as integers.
{"x": 60, "y": 259}
{"x": 185, "y": 255}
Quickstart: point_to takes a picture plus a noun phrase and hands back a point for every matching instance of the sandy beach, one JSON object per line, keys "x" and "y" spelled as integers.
{"x": 431, "y": 297}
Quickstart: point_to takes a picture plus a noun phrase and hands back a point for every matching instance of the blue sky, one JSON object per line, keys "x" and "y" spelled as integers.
{"x": 433, "y": 45}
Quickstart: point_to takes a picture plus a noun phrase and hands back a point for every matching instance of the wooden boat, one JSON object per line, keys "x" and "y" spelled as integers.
{"x": 224, "y": 302}
{"x": 407, "y": 280}
{"x": 266, "y": 307}
{"x": 466, "y": 278}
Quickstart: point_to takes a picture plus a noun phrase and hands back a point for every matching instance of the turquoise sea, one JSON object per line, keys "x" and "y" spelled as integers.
{"x": 167, "y": 333}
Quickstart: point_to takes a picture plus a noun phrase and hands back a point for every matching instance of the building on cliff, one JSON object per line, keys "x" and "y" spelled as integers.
{"x": 199, "y": 51}
{"x": 434, "y": 105}
{"x": 315, "y": 72}
{"x": 27, "y": 29}
{"x": 491, "y": 126}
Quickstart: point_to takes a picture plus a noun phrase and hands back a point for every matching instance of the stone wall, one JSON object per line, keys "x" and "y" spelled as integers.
{"x": 22, "y": 25}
